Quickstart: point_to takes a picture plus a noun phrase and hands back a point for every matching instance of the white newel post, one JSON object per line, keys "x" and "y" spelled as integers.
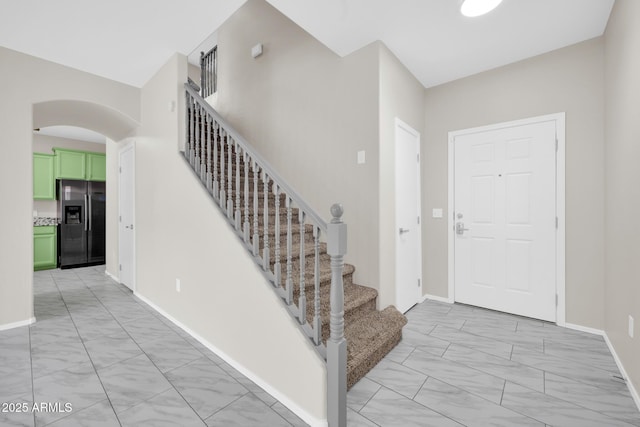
{"x": 336, "y": 344}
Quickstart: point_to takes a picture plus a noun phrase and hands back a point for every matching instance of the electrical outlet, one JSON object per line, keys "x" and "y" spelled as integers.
{"x": 178, "y": 285}
{"x": 631, "y": 326}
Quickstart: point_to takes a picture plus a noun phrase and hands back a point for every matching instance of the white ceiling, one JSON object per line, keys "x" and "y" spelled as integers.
{"x": 436, "y": 43}
{"x": 128, "y": 40}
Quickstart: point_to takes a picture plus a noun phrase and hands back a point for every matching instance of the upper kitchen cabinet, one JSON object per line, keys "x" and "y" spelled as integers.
{"x": 70, "y": 164}
{"x": 96, "y": 167}
{"x": 81, "y": 165}
{"x": 43, "y": 177}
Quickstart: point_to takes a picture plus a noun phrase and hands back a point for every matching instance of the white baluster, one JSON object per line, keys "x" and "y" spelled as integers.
{"x": 237, "y": 217}
{"x": 223, "y": 192}
{"x": 192, "y": 127}
{"x": 187, "y": 121}
{"x": 230, "y": 180}
{"x": 196, "y": 160}
{"x": 245, "y": 227}
{"x": 216, "y": 188}
{"x": 203, "y": 145}
{"x": 265, "y": 233}
{"x": 276, "y": 235}
{"x": 302, "y": 302}
{"x": 209, "y": 177}
{"x": 256, "y": 235}
{"x": 317, "y": 324}
{"x": 289, "y": 280}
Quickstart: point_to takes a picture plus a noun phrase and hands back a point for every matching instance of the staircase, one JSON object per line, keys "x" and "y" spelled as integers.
{"x": 300, "y": 254}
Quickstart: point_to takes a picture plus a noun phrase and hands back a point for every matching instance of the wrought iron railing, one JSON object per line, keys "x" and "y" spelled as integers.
{"x": 209, "y": 72}
{"x": 265, "y": 210}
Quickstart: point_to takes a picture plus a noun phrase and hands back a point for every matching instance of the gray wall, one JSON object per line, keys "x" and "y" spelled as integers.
{"x": 401, "y": 96}
{"x": 224, "y": 298}
{"x": 567, "y": 80}
{"x": 622, "y": 82}
{"x": 27, "y": 81}
{"x": 308, "y": 112}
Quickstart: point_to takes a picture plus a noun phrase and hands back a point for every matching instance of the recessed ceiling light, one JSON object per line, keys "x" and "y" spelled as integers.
{"x": 472, "y": 8}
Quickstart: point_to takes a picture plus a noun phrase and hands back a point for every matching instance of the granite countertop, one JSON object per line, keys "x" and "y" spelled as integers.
{"x": 43, "y": 221}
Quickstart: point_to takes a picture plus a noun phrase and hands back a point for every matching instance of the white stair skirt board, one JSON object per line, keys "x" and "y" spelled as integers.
{"x": 304, "y": 415}
{"x": 27, "y": 322}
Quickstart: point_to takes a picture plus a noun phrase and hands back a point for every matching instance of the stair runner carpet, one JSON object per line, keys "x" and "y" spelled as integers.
{"x": 371, "y": 334}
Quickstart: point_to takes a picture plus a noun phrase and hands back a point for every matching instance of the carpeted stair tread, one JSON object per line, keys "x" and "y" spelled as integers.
{"x": 325, "y": 274}
{"x": 309, "y": 251}
{"x": 369, "y": 339}
{"x": 295, "y": 232}
{"x": 358, "y": 300}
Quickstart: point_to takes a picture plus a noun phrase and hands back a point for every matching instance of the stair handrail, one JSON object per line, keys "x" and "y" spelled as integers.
{"x": 336, "y": 234}
{"x": 264, "y": 165}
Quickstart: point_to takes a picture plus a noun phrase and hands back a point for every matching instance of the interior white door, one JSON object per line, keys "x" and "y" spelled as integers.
{"x": 408, "y": 230}
{"x": 127, "y": 220}
{"x": 505, "y": 219}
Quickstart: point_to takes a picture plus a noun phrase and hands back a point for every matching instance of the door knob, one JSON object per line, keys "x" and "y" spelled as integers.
{"x": 460, "y": 228}
{"x": 404, "y": 230}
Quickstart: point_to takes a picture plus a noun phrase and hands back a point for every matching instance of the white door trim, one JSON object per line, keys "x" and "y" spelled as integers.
{"x": 130, "y": 146}
{"x": 559, "y": 119}
{"x": 400, "y": 124}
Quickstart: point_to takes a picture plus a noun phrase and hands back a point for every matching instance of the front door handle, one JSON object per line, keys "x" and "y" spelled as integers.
{"x": 460, "y": 228}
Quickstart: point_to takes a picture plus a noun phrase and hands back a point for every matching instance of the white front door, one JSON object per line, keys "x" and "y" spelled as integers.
{"x": 505, "y": 219}
{"x": 126, "y": 219}
{"x": 408, "y": 230}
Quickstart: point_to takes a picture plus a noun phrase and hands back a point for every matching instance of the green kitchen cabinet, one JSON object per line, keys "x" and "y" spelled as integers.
{"x": 70, "y": 164}
{"x": 43, "y": 177}
{"x": 82, "y": 165}
{"x": 96, "y": 167}
{"x": 45, "y": 247}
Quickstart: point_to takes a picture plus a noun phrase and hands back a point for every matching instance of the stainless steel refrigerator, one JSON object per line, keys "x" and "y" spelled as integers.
{"x": 81, "y": 234}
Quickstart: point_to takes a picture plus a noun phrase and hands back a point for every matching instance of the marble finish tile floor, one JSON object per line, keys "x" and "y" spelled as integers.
{"x": 118, "y": 363}
{"x": 465, "y": 366}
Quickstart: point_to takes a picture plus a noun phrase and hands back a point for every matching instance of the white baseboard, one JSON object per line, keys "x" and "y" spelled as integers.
{"x": 632, "y": 389}
{"x": 436, "y": 298}
{"x": 293, "y": 407}
{"x": 17, "y": 324}
{"x": 112, "y": 276}
{"x": 584, "y": 329}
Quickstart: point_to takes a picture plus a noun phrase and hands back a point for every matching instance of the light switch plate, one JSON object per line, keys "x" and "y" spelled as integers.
{"x": 361, "y": 158}
{"x": 436, "y": 213}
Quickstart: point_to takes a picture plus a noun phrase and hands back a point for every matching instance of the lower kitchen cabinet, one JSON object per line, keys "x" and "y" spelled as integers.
{"x": 45, "y": 247}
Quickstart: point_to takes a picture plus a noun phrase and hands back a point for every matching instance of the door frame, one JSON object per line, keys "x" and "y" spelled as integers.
{"x": 559, "y": 119}
{"x": 127, "y": 147}
{"x": 397, "y": 125}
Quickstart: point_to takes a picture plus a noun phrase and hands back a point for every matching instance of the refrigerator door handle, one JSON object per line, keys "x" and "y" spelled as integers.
{"x": 86, "y": 218}
{"x": 90, "y": 213}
